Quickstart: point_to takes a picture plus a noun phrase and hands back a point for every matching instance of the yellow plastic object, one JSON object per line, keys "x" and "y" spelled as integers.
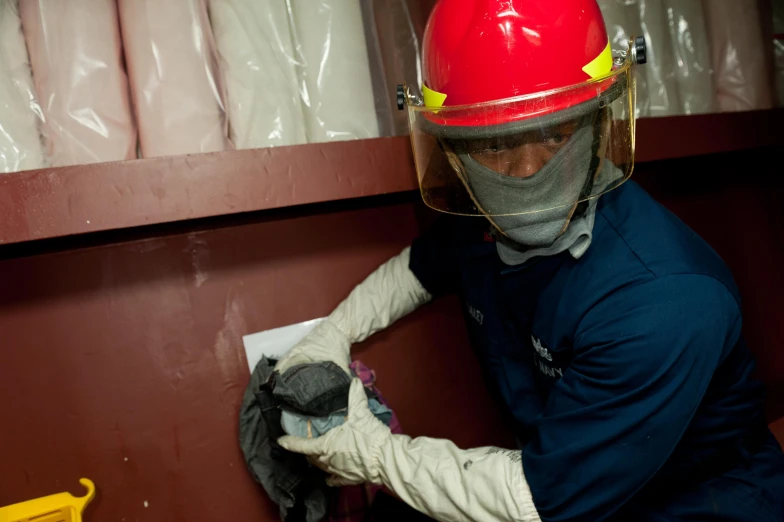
{"x": 62, "y": 507}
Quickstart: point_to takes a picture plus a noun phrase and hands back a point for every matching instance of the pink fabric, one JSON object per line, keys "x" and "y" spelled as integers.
{"x": 350, "y": 504}
{"x": 172, "y": 65}
{"x": 742, "y": 79}
{"x": 76, "y": 58}
{"x": 368, "y": 378}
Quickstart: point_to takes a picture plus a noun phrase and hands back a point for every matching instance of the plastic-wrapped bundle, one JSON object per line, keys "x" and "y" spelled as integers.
{"x": 661, "y": 66}
{"x": 742, "y": 79}
{"x": 20, "y": 142}
{"x": 259, "y": 70}
{"x": 382, "y": 102}
{"x": 622, "y": 18}
{"x": 173, "y": 71}
{"x": 87, "y": 116}
{"x": 334, "y": 75}
{"x": 694, "y": 72}
{"x": 397, "y": 26}
{"x": 778, "y": 48}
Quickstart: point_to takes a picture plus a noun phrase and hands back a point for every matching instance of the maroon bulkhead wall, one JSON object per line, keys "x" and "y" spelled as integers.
{"x": 123, "y": 362}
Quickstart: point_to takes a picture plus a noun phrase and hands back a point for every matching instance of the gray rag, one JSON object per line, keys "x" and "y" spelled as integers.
{"x": 311, "y": 390}
{"x": 298, "y": 488}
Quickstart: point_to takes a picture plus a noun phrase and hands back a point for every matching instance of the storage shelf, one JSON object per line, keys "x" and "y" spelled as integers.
{"x": 67, "y": 201}
{"x": 64, "y": 201}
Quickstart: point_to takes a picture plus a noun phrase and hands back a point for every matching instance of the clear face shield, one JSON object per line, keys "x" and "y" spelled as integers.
{"x": 538, "y": 155}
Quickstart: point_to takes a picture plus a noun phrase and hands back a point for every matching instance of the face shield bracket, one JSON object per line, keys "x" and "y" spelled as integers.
{"x": 401, "y": 97}
{"x": 640, "y": 54}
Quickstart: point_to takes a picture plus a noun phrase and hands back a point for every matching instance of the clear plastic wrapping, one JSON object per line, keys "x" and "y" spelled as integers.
{"x": 202, "y": 75}
{"x": 398, "y": 26}
{"x": 208, "y": 75}
{"x": 333, "y": 69}
{"x": 778, "y": 48}
{"x": 742, "y": 79}
{"x": 693, "y": 71}
{"x": 259, "y": 69}
{"x": 299, "y": 71}
{"x": 174, "y": 76}
{"x": 81, "y": 86}
{"x": 382, "y": 102}
{"x": 660, "y": 70}
{"x": 622, "y": 18}
{"x": 20, "y": 141}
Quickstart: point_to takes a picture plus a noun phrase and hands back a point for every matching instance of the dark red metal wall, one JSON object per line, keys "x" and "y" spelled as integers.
{"x": 123, "y": 361}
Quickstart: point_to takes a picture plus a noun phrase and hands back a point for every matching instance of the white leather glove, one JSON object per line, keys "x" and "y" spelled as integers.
{"x": 386, "y": 295}
{"x": 431, "y": 475}
{"x": 326, "y": 342}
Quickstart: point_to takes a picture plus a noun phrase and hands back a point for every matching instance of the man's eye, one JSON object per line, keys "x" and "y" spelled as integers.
{"x": 555, "y": 140}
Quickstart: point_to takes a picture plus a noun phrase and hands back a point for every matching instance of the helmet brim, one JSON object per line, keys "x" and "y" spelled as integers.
{"x": 441, "y": 127}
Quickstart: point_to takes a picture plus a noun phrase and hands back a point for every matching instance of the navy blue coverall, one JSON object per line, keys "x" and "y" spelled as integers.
{"x": 625, "y": 372}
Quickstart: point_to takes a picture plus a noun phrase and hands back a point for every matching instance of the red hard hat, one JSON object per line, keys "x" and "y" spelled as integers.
{"x": 478, "y": 51}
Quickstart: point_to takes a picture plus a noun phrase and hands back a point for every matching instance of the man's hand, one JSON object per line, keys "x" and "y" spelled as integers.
{"x": 350, "y": 452}
{"x": 432, "y": 475}
{"x": 326, "y": 342}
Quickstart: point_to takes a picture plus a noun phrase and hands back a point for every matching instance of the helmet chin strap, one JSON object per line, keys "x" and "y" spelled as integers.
{"x": 601, "y": 129}
{"x": 459, "y": 169}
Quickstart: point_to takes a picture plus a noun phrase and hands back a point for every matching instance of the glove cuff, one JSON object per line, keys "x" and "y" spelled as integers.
{"x": 384, "y": 453}
{"x": 446, "y": 483}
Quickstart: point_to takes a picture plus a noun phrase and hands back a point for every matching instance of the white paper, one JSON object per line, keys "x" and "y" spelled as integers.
{"x": 275, "y": 343}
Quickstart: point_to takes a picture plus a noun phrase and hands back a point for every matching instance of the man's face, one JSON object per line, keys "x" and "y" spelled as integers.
{"x": 521, "y": 155}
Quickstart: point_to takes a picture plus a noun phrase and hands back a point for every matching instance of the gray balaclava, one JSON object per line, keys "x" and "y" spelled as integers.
{"x": 558, "y": 211}
{"x": 553, "y": 221}
{"x": 549, "y": 197}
